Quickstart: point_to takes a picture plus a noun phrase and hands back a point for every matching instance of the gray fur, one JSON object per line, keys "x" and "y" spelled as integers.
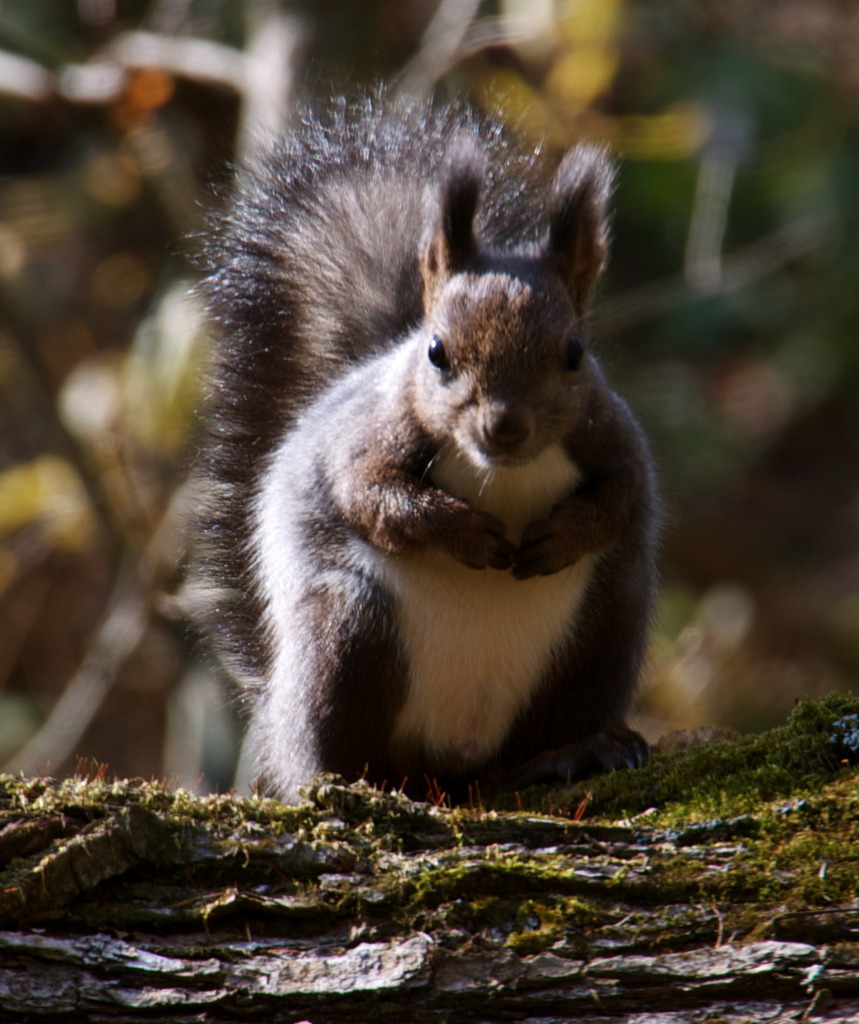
{"x": 356, "y": 242}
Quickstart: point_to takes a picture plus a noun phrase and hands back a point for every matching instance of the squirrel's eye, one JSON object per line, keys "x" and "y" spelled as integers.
{"x": 437, "y": 354}
{"x": 575, "y": 352}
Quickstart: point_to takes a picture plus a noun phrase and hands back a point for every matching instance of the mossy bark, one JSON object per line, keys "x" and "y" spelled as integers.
{"x": 715, "y": 883}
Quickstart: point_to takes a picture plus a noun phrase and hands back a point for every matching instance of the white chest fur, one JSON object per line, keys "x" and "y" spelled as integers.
{"x": 479, "y": 641}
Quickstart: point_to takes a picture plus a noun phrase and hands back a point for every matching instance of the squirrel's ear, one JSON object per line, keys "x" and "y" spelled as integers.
{"x": 578, "y": 219}
{"x": 450, "y": 243}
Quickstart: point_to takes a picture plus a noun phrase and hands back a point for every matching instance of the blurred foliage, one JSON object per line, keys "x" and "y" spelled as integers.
{"x": 729, "y": 317}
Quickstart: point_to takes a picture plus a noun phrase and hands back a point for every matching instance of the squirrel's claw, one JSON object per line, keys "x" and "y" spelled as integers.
{"x": 618, "y": 747}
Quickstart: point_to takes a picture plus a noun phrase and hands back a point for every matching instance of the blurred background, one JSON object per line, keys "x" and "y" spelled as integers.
{"x": 729, "y": 318}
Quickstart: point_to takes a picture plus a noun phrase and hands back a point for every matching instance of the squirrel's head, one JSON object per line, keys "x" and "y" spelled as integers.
{"x": 504, "y": 369}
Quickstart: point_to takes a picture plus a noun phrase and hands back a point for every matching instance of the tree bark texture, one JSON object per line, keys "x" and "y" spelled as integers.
{"x": 124, "y": 902}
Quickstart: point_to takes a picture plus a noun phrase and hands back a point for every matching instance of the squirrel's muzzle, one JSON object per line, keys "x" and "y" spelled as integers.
{"x": 505, "y": 428}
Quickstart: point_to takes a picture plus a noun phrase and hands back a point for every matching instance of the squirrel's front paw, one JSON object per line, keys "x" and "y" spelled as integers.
{"x": 478, "y": 541}
{"x": 545, "y": 549}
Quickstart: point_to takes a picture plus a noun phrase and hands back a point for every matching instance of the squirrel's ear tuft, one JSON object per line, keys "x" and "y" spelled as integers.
{"x": 578, "y": 219}
{"x": 450, "y": 244}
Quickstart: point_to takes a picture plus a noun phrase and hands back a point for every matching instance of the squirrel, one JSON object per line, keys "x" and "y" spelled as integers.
{"x": 431, "y": 523}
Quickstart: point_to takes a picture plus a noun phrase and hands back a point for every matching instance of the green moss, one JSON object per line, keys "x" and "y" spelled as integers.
{"x": 726, "y": 778}
{"x": 751, "y": 828}
{"x": 799, "y": 855}
{"x": 538, "y": 926}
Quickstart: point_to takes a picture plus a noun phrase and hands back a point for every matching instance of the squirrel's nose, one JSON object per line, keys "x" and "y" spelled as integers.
{"x": 506, "y": 425}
